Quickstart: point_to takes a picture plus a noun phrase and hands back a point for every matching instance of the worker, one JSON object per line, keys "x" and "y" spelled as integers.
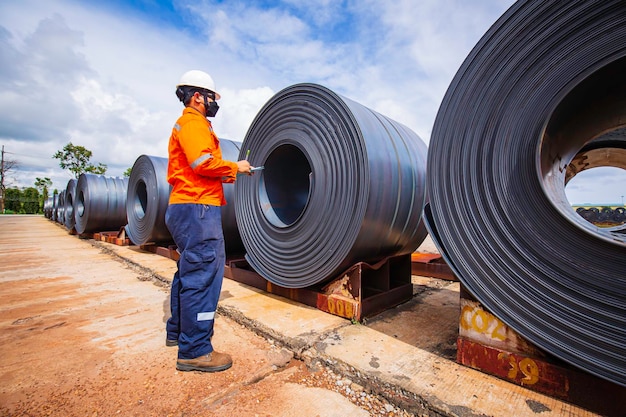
{"x": 196, "y": 172}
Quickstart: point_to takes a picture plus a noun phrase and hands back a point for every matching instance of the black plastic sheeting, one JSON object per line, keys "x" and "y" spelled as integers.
{"x": 544, "y": 81}
{"x": 148, "y": 196}
{"x": 342, "y": 184}
{"x": 100, "y": 203}
{"x": 70, "y": 195}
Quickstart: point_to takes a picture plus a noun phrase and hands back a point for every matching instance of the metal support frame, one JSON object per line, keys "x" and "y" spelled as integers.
{"x": 487, "y": 344}
{"x": 362, "y": 291}
{"x": 431, "y": 265}
{"x": 117, "y": 238}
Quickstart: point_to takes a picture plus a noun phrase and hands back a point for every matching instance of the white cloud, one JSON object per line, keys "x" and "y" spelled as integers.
{"x": 237, "y": 110}
{"x": 105, "y": 79}
{"x": 600, "y": 185}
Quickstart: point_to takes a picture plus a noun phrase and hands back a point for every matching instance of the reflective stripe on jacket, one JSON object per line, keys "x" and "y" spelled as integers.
{"x": 195, "y": 168}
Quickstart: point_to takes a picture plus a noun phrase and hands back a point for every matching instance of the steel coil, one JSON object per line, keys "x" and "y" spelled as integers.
{"x": 100, "y": 203}
{"x": 148, "y": 197}
{"x": 232, "y": 239}
{"x": 60, "y": 218}
{"x": 146, "y": 201}
{"x": 48, "y": 206}
{"x": 55, "y": 206}
{"x": 70, "y": 196}
{"x": 342, "y": 184}
{"x": 544, "y": 81}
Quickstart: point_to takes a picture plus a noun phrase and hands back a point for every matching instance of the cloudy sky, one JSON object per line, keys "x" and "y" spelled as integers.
{"x": 101, "y": 74}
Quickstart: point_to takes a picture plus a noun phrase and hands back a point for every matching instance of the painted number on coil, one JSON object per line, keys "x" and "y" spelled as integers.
{"x": 479, "y": 320}
{"x": 526, "y": 366}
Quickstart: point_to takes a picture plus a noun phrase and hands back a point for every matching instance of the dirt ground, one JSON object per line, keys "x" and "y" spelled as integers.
{"x": 82, "y": 334}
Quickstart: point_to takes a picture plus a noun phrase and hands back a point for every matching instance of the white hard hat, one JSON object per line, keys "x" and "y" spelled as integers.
{"x": 197, "y": 78}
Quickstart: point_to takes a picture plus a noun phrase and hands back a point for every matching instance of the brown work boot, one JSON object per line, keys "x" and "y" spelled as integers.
{"x": 211, "y": 362}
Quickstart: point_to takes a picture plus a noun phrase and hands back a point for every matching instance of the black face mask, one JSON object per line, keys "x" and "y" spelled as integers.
{"x": 210, "y": 108}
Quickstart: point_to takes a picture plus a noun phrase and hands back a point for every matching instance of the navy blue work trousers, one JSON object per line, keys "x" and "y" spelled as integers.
{"x": 197, "y": 232}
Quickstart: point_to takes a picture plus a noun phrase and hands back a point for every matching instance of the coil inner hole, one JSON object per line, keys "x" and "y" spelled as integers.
{"x": 586, "y": 131}
{"x": 80, "y": 204}
{"x": 141, "y": 199}
{"x": 285, "y": 185}
{"x": 69, "y": 207}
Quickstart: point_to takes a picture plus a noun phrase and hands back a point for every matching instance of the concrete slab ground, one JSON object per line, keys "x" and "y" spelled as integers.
{"x": 407, "y": 353}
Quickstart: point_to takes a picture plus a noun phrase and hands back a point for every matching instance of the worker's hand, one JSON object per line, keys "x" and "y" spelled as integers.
{"x": 243, "y": 167}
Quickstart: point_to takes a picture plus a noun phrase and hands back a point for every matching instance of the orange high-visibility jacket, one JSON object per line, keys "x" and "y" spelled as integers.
{"x": 195, "y": 168}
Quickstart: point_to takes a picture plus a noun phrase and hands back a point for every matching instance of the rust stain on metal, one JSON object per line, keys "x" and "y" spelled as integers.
{"x": 431, "y": 265}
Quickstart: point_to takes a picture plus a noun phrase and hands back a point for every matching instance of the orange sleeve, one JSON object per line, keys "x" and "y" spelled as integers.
{"x": 201, "y": 147}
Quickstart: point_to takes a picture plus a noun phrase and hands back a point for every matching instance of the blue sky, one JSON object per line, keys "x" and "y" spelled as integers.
{"x": 101, "y": 74}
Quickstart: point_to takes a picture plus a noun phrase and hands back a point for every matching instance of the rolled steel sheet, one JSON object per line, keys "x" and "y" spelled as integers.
{"x": 544, "y": 81}
{"x": 148, "y": 196}
{"x": 70, "y": 196}
{"x": 232, "y": 239}
{"x": 146, "y": 201}
{"x": 47, "y": 207}
{"x": 341, "y": 184}
{"x": 619, "y": 215}
{"x": 61, "y": 207}
{"x": 100, "y": 203}
{"x": 55, "y": 207}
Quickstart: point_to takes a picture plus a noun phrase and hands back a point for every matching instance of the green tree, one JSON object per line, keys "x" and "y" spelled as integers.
{"x": 100, "y": 169}
{"x": 42, "y": 184}
{"x": 128, "y": 171}
{"x": 30, "y": 200}
{"x": 12, "y": 200}
{"x": 76, "y": 159}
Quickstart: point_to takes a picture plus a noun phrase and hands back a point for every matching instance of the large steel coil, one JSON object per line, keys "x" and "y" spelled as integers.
{"x": 48, "y": 206}
{"x": 55, "y": 206}
{"x": 545, "y": 80}
{"x": 100, "y": 203}
{"x": 146, "y": 201}
{"x": 342, "y": 184}
{"x": 60, "y": 218}
{"x": 232, "y": 239}
{"x": 70, "y": 196}
{"x": 148, "y": 197}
